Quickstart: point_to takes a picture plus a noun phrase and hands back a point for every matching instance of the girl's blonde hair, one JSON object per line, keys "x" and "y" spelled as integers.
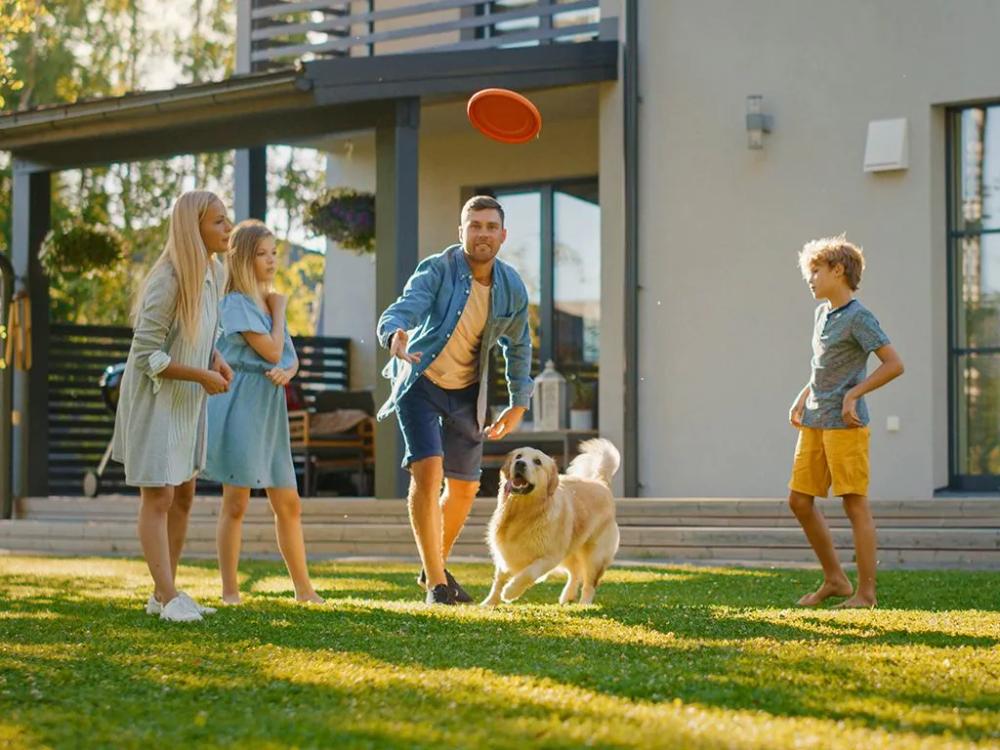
{"x": 243, "y": 243}
{"x": 187, "y": 255}
{"x": 834, "y": 251}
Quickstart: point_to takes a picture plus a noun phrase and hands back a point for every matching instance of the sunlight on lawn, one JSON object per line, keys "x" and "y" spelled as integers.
{"x": 668, "y": 656}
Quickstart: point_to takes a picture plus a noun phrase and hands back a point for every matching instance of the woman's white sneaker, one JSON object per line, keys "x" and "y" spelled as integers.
{"x": 154, "y": 606}
{"x": 180, "y": 609}
{"x": 201, "y": 609}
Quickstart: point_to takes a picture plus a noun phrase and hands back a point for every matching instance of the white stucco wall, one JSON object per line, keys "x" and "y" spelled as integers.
{"x": 725, "y": 319}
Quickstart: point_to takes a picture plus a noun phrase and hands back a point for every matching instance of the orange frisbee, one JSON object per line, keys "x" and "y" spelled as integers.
{"x": 504, "y": 115}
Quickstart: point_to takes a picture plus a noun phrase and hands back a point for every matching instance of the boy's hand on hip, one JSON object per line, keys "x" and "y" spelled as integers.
{"x": 213, "y": 383}
{"x": 849, "y": 411}
{"x": 795, "y": 413}
{"x": 506, "y": 423}
{"x": 397, "y": 346}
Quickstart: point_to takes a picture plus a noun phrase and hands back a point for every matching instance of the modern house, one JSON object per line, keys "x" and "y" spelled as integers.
{"x": 688, "y": 151}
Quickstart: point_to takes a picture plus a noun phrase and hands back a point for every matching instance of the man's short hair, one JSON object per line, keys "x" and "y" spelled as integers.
{"x": 834, "y": 251}
{"x": 480, "y": 202}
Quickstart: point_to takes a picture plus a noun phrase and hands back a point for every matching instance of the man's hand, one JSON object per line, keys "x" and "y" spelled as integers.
{"x": 397, "y": 346}
{"x": 222, "y": 367}
{"x": 279, "y": 376}
{"x": 506, "y": 423}
{"x": 849, "y": 411}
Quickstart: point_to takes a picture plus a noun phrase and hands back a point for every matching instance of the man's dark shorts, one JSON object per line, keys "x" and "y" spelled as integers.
{"x": 440, "y": 422}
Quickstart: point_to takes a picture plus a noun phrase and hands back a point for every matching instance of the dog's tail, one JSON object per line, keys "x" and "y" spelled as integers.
{"x": 598, "y": 459}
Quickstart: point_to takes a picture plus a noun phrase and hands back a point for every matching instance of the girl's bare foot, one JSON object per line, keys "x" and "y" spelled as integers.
{"x": 231, "y": 600}
{"x": 858, "y": 601}
{"x": 311, "y": 598}
{"x": 840, "y": 587}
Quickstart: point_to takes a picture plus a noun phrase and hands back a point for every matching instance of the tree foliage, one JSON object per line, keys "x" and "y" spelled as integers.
{"x": 63, "y": 51}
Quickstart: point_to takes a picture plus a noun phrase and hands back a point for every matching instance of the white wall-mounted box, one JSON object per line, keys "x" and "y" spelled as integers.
{"x": 887, "y": 145}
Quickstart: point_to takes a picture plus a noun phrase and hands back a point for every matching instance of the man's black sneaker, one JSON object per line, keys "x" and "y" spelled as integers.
{"x": 440, "y": 594}
{"x": 461, "y": 595}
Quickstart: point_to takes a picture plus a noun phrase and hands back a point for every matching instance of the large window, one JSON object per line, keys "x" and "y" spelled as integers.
{"x": 974, "y": 258}
{"x": 554, "y": 241}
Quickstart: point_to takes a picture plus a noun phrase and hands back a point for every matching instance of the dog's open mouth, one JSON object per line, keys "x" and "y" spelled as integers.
{"x": 519, "y": 485}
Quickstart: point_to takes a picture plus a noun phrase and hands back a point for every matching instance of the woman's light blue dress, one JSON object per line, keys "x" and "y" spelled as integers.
{"x": 248, "y": 442}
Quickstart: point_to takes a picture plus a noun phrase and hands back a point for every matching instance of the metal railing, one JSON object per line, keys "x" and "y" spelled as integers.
{"x": 275, "y": 33}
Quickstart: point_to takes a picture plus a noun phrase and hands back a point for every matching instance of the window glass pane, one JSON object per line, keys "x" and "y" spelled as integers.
{"x": 978, "y": 417}
{"x": 979, "y": 291}
{"x": 577, "y": 291}
{"x": 577, "y": 265}
{"x": 978, "y": 205}
{"x": 522, "y": 218}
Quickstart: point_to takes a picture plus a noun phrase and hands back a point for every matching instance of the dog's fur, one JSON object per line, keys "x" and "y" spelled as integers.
{"x": 547, "y": 522}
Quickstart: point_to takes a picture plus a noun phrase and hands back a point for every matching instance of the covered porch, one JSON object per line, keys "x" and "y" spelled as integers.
{"x": 380, "y": 97}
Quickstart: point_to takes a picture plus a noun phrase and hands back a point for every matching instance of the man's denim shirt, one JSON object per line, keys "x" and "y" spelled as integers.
{"x": 430, "y": 307}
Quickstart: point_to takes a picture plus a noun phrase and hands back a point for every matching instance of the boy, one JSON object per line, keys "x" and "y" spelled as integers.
{"x": 832, "y": 418}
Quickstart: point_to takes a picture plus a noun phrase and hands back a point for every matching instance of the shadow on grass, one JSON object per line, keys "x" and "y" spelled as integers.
{"x": 657, "y": 635}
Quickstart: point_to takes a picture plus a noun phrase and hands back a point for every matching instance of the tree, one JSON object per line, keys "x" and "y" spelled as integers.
{"x": 16, "y": 18}
{"x": 77, "y": 49}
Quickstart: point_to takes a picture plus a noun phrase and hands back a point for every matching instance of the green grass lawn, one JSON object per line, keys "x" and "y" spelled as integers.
{"x": 668, "y": 657}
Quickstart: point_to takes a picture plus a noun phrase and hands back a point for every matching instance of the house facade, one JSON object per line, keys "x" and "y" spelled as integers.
{"x": 659, "y": 247}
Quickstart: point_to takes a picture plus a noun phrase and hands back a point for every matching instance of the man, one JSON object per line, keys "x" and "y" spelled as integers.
{"x": 457, "y": 306}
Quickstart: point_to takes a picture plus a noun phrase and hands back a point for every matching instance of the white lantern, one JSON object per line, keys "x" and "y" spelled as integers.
{"x": 550, "y": 399}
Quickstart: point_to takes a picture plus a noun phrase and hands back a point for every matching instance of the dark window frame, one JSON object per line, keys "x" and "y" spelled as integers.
{"x": 953, "y": 172}
{"x": 547, "y": 314}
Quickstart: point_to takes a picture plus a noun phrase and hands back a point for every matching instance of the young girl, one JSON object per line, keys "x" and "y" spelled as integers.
{"x": 172, "y": 366}
{"x": 248, "y": 437}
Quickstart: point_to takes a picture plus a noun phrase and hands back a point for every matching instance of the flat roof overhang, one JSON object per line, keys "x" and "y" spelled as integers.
{"x": 316, "y": 98}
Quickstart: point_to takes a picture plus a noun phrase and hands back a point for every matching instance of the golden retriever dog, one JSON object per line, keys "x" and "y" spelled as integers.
{"x": 547, "y": 522}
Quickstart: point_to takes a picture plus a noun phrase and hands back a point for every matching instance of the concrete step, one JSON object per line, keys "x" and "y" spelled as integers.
{"x": 633, "y": 536}
{"x": 762, "y": 556}
{"x": 943, "y": 532}
{"x": 943, "y": 512}
{"x": 898, "y": 546}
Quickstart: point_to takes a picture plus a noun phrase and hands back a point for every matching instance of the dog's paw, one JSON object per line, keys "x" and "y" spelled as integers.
{"x": 509, "y": 595}
{"x": 489, "y": 603}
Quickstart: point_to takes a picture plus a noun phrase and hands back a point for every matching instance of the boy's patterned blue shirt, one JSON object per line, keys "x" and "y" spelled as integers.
{"x": 842, "y": 340}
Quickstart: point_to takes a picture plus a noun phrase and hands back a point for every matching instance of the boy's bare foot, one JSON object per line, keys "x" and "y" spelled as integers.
{"x": 829, "y": 588}
{"x": 312, "y": 598}
{"x": 858, "y": 601}
{"x": 231, "y": 600}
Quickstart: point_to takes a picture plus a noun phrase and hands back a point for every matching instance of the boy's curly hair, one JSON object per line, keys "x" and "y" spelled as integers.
{"x": 834, "y": 251}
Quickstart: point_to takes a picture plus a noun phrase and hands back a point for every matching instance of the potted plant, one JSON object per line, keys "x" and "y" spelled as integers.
{"x": 581, "y": 410}
{"x": 77, "y": 247}
{"x": 345, "y": 216}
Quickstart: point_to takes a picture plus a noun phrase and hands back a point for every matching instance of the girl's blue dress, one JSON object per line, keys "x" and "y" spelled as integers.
{"x": 248, "y": 441}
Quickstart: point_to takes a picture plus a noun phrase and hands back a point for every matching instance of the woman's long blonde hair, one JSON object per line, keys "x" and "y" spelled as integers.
{"x": 243, "y": 242}
{"x": 187, "y": 255}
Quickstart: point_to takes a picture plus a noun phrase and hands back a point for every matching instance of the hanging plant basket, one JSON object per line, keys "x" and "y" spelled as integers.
{"x": 344, "y": 216}
{"x": 79, "y": 248}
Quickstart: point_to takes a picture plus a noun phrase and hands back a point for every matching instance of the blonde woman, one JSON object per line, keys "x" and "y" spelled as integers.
{"x": 248, "y": 441}
{"x": 172, "y": 366}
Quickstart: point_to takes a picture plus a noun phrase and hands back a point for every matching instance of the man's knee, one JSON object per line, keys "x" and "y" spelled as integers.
{"x": 463, "y": 489}
{"x": 426, "y": 475}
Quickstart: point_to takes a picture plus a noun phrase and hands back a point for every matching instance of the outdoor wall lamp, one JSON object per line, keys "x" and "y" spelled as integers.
{"x": 757, "y": 122}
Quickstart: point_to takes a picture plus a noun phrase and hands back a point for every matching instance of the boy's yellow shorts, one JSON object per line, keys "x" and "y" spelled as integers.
{"x": 822, "y": 456}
